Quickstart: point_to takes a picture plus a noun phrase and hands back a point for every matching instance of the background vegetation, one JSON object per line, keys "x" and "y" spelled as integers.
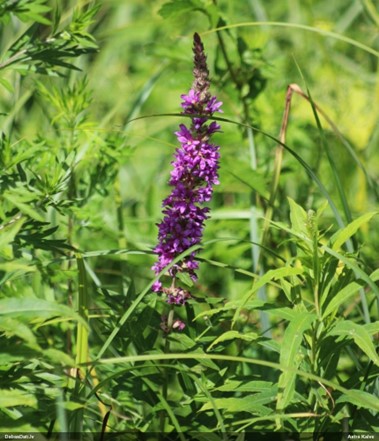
{"x": 282, "y": 329}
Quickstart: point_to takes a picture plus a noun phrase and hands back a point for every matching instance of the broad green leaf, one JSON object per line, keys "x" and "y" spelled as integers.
{"x": 342, "y": 296}
{"x": 360, "y": 398}
{"x": 232, "y": 335}
{"x": 14, "y": 397}
{"x": 346, "y": 233}
{"x": 361, "y": 337}
{"x": 289, "y": 361}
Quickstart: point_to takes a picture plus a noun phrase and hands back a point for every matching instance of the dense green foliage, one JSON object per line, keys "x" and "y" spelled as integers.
{"x": 283, "y": 325}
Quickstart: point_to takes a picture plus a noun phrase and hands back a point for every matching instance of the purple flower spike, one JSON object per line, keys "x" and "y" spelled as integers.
{"x": 194, "y": 173}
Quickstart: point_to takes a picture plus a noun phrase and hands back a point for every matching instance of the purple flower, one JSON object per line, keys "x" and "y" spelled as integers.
{"x": 178, "y": 324}
{"x": 194, "y": 173}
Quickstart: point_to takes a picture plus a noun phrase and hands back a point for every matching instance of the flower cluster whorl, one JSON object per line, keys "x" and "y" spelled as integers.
{"x": 194, "y": 173}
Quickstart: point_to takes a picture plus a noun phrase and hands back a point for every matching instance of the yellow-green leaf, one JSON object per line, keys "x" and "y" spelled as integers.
{"x": 231, "y": 335}
{"x": 343, "y": 235}
{"x": 361, "y": 337}
{"x": 14, "y": 397}
{"x": 342, "y": 296}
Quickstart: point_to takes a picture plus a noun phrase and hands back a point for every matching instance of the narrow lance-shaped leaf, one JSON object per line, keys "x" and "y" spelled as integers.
{"x": 289, "y": 356}
{"x": 346, "y": 233}
{"x": 341, "y": 297}
{"x": 33, "y": 309}
{"x": 232, "y": 335}
{"x": 361, "y": 337}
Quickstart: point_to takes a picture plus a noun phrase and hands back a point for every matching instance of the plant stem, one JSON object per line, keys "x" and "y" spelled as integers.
{"x": 81, "y": 343}
{"x": 277, "y": 166}
{"x": 12, "y": 59}
{"x": 170, "y": 320}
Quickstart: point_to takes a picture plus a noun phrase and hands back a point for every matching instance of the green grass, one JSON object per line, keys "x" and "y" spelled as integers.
{"x": 282, "y": 327}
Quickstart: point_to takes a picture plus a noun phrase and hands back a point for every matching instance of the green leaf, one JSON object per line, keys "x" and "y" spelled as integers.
{"x": 181, "y": 342}
{"x": 231, "y": 306}
{"x": 176, "y": 7}
{"x": 351, "y": 264}
{"x": 374, "y": 276}
{"x": 242, "y": 386}
{"x": 185, "y": 278}
{"x": 372, "y": 328}
{"x": 298, "y": 218}
{"x": 253, "y": 404}
{"x": 33, "y": 309}
{"x": 361, "y": 337}
{"x": 71, "y": 405}
{"x": 11, "y": 327}
{"x": 14, "y": 397}
{"x": 343, "y": 235}
{"x": 289, "y": 359}
{"x": 360, "y": 398}
{"x": 21, "y": 200}
{"x": 270, "y": 275}
{"x": 232, "y": 335}
{"x": 7, "y": 85}
{"x": 58, "y": 357}
{"x": 342, "y": 296}
{"x": 13, "y": 266}
{"x": 11, "y": 353}
{"x": 8, "y": 233}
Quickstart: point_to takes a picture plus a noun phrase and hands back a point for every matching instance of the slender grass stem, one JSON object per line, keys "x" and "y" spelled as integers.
{"x": 298, "y": 26}
{"x": 170, "y": 320}
{"x": 81, "y": 343}
{"x": 277, "y": 166}
{"x": 122, "y": 243}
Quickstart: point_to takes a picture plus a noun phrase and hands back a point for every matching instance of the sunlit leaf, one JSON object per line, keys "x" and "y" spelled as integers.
{"x": 340, "y": 298}
{"x": 14, "y": 397}
{"x": 360, "y": 398}
{"x": 233, "y": 335}
{"x": 350, "y": 330}
{"x": 346, "y": 233}
{"x": 289, "y": 355}
{"x": 173, "y": 8}
{"x": 35, "y": 309}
